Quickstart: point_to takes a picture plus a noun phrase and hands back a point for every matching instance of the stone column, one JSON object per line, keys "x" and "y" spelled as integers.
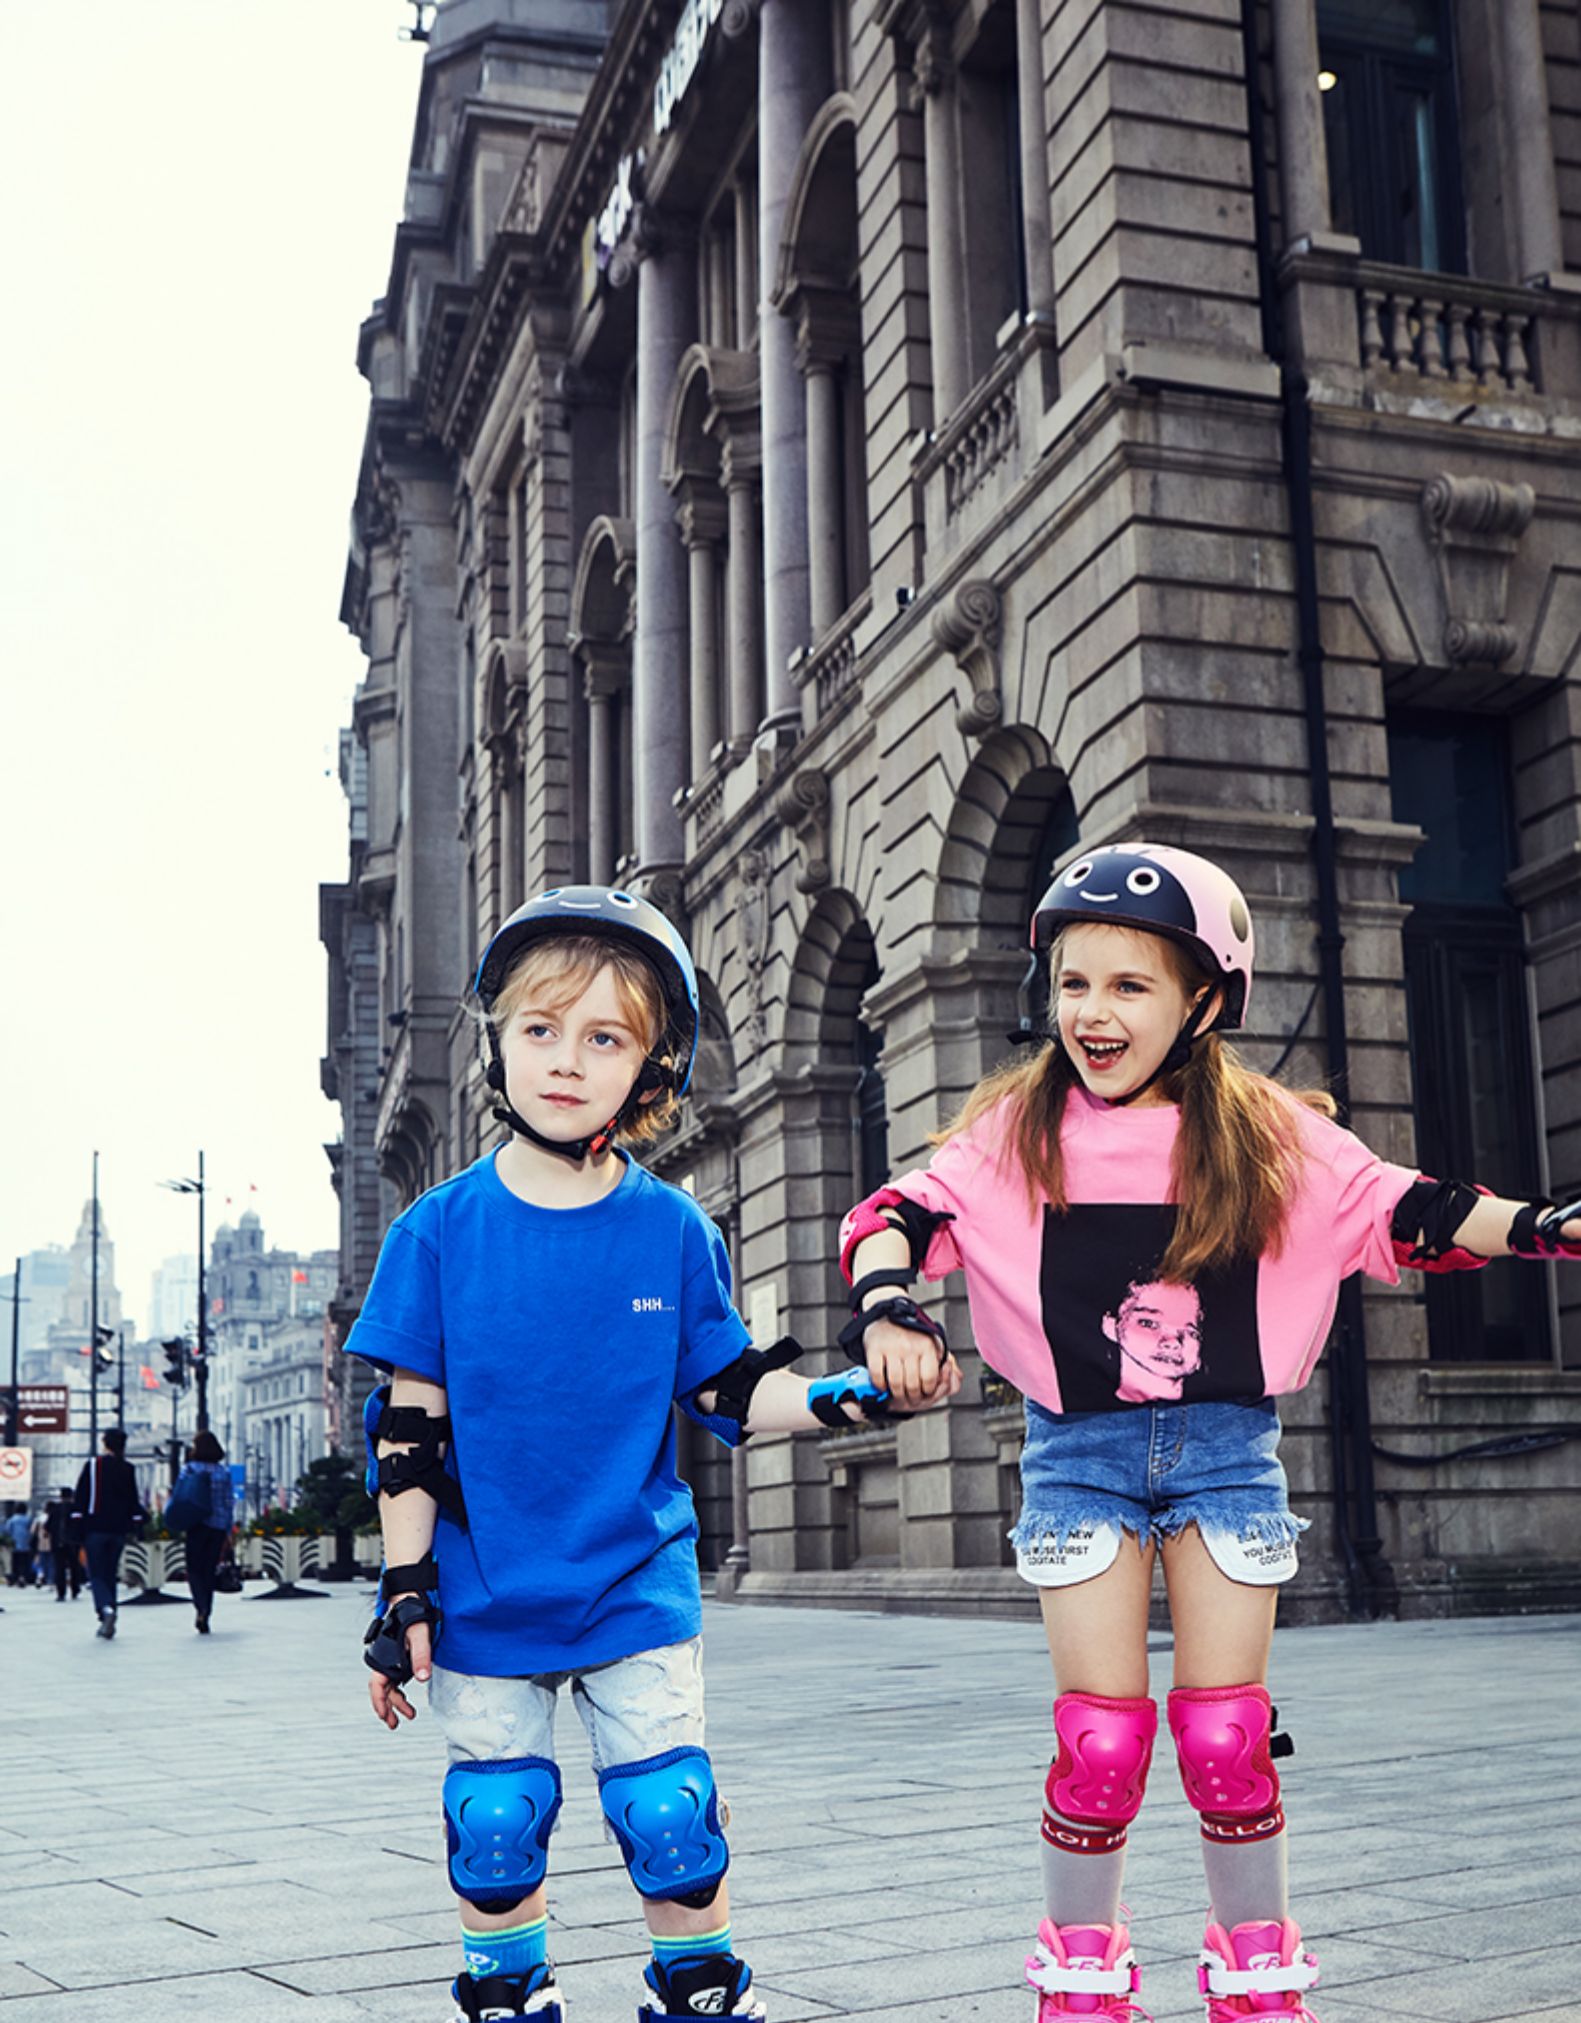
{"x": 1037, "y": 220}
{"x": 825, "y": 497}
{"x": 1529, "y": 151}
{"x": 935, "y": 74}
{"x": 666, "y": 316}
{"x": 702, "y": 522}
{"x": 1303, "y": 152}
{"x": 743, "y": 578}
{"x": 793, "y": 81}
{"x": 603, "y": 679}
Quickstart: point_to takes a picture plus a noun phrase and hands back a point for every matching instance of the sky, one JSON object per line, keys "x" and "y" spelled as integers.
{"x": 201, "y": 202}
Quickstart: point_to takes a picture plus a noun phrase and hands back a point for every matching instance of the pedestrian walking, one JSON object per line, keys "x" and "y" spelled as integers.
{"x": 107, "y": 1509}
{"x": 204, "y": 1492}
{"x": 19, "y": 1530}
{"x": 43, "y": 1551}
{"x": 543, "y": 1312}
{"x": 63, "y": 1546}
{"x": 1153, "y": 1239}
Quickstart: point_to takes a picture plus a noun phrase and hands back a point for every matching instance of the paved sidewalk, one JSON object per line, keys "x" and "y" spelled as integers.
{"x": 217, "y": 1828}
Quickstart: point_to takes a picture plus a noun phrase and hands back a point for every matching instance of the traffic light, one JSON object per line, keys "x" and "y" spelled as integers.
{"x": 103, "y": 1356}
{"x": 175, "y": 1362}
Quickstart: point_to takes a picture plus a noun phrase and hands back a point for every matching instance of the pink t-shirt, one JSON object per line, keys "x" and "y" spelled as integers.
{"x": 1069, "y": 1307}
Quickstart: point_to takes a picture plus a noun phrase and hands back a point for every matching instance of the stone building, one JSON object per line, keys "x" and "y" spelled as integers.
{"x": 828, "y": 459}
{"x": 253, "y": 1290}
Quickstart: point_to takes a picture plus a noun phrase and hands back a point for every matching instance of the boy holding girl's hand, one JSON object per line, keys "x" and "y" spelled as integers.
{"x": 542, "y": 1312}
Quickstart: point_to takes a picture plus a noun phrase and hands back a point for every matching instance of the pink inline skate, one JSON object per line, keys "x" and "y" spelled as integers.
{"x": 1085, "y": 1970}
{"x": 1260, "y": 1969}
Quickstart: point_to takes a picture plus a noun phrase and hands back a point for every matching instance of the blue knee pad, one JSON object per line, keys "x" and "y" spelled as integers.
{"x": 498, "y": 1819}
{"x": 665, "y": 1815}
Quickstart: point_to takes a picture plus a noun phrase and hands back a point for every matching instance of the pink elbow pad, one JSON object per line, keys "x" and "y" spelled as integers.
{"x": 865, "y": 1220}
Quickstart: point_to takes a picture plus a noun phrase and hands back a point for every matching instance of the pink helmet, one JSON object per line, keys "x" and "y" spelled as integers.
{"x": 1162, "y": 891}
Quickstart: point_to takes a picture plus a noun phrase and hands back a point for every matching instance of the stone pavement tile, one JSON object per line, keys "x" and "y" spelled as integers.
{"x": 1473, "y": 1887}
{"x": 354, "y": 1972}
{"x": 104, "y": 1957}
{"x": 855, "y": 1986}
{"x": 15, "y": 1979}
{"x": 35, "y": 1869}
{"x": 66, "y": 1908}
{"x": 201, "y": 1998}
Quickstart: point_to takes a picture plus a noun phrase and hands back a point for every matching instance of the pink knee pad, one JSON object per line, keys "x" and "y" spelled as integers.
{"x": 1095, "y": 1787}
{"x": 1221, "y": 1739}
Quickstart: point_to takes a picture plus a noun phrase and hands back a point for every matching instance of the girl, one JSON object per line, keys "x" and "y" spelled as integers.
{"x": 1153, "y": 1239}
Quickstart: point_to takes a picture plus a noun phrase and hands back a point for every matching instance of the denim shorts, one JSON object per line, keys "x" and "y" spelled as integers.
{"x": 1150, "y": 1471}
{"x": 632, "y": 1709}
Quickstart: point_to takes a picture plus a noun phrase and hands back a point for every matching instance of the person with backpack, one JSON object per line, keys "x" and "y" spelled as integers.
{"x": 202, "y": 1508}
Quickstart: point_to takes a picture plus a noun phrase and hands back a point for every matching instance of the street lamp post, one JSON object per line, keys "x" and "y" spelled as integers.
{"x": 93, "y": 1321}
{"x": 200, "y": 1359}
{"x": 14, "y": 1409}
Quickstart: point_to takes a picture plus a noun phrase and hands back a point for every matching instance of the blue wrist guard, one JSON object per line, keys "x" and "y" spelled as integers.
{"x": 827, "y": 1398}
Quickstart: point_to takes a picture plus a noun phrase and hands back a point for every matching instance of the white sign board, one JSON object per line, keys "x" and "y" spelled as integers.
{"x": 16, "y": 1474}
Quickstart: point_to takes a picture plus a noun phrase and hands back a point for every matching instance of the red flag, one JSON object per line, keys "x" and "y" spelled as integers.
{"x": 299, "y": 1278}
{"x": 150, "y": 1381}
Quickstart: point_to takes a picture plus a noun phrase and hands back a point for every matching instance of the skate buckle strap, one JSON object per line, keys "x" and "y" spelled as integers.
{"x": 1215, "y": 1978}
{"x": 1054, "y": 1977}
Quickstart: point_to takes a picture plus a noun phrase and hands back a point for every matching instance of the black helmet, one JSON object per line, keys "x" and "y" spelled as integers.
{"x": 601, "y": 910}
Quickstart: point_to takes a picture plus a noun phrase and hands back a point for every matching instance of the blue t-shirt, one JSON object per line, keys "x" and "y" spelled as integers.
{"x": 562, "y": 1336}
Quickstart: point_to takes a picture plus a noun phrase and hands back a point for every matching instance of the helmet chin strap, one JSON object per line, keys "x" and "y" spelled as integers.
{"x": 574, "y": 1150}
{"x": 1177, "y": 1057}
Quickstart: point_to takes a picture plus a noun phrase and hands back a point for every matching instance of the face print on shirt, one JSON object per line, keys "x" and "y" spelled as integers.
{"x": 1119, "y": 1335}
{"x": 1158, "y": 1331}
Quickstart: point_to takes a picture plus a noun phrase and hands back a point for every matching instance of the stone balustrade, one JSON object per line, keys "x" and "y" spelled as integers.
{"x": 828, "y": 672}
{"x": 1438, "y": 327}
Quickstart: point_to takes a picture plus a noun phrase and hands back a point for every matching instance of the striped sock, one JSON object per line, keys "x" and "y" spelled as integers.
{"x": 515, "y": 1952}
{"x": 687, "y": 1947}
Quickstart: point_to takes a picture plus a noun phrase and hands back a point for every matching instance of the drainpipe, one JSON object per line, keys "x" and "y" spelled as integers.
{"x": 1368, "y": 1577}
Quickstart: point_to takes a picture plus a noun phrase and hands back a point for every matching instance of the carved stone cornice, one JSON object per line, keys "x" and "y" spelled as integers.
{"x": 1475, "y": 526}
{"x": 802, "y": 804}
{"x": 701, "y": 515}
{"x": 967, "y": 626}
{"x": 605, "y": 664}
{"x": 828, "y": 324}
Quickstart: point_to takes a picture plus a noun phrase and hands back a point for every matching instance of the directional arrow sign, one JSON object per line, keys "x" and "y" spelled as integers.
{"x": 44, "y": 1408}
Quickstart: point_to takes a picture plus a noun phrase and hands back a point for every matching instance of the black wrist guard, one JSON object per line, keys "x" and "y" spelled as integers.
{"x": 734, "y": 1385}
{"x": 385, "y": 1643}
{"x": 1534, "y": 1230}
{"x": 891, "y": 1275}
{"x": 903, "y": 1311}
{"x": 420, "y": 1578}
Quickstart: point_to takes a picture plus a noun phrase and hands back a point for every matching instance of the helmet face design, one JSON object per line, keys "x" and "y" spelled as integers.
{"x": 621, "y": 916}
{"x": 1161, "y": 891}
{"x": 1125, "y": 885}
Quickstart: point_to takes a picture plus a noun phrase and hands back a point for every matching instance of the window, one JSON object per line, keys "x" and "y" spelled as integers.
{"x": 1392, "y": 127}
{"x": 1465, "y": 979}
{"x": 993, "y": 257}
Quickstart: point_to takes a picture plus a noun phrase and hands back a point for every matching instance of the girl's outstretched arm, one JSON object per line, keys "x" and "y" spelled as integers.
{"x": 1444, "y": 1216}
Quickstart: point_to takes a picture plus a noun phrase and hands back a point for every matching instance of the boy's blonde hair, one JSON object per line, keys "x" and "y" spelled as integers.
{"x": 1237, "y": 1157}
{"x": 552, "y": 973}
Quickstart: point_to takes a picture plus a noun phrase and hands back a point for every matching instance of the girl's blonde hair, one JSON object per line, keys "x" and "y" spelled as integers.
{"x": 553, "y": 973}
{"x": 1237, "y": 1156}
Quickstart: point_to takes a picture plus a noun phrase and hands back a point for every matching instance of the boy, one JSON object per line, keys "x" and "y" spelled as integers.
{"x": 542, "y": 1311}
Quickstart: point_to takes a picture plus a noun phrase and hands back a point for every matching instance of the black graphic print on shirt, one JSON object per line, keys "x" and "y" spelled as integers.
{"x": 1120, "y": 1336}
